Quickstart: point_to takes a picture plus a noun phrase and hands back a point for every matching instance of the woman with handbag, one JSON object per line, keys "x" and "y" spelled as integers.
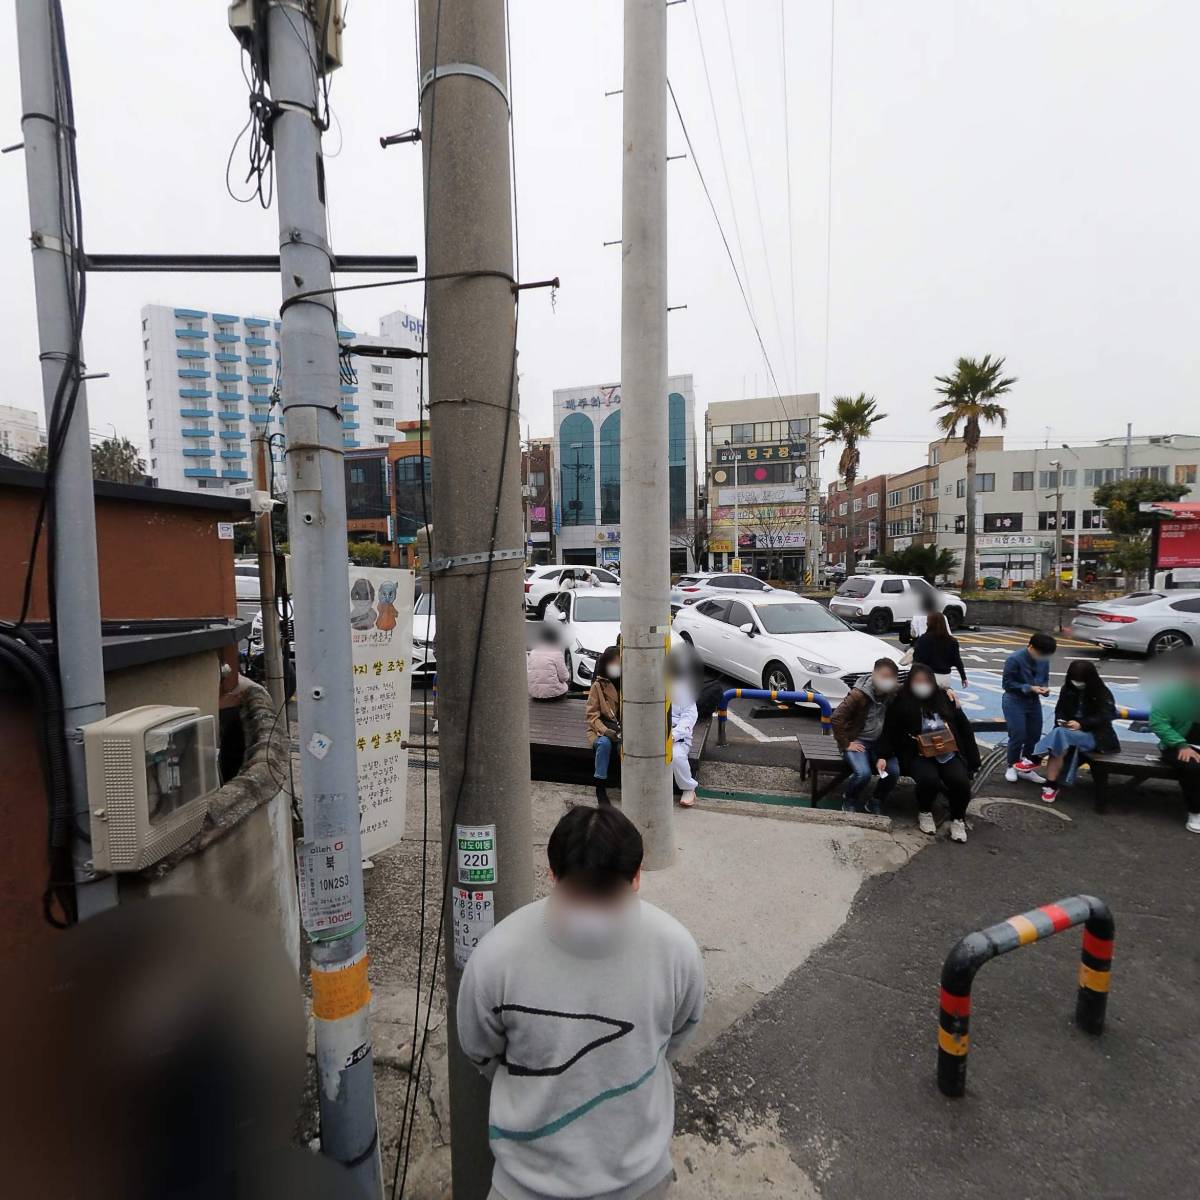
{"x": 932, "y": 739}
{"x": 604, "y": 718}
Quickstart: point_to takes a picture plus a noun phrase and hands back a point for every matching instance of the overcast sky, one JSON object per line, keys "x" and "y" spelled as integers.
{"x": 1017, "y": 177}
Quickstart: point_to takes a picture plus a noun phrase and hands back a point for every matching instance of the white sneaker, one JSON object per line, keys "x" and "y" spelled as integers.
{"x": 1031, "y": 777}
{"x": 958, "y": 831}
{"x": 1049, "y": 793}
{"x": 1193, "y": 823}
{"x": 925, "y": 823}
{"x": 1011, "y": 774}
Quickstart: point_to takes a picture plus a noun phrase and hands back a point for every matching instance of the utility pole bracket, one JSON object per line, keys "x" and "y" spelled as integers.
{"x": 440, "y": 565}
{"x": 471, "y": 69}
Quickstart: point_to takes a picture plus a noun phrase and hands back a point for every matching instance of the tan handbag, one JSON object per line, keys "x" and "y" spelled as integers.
{"x": 936, "y": 743}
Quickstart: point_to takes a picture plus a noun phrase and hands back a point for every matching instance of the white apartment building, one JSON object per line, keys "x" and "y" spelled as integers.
{"x": 1016, "y": 500}
{"x": 209, "y": 378}
{"x": 19, "y": 431}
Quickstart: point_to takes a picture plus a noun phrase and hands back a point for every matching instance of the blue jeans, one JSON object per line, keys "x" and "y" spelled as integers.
{"x": 602, "y": 749}
{"x": 862, "y": 768}
{"x": 1059, "y": 742}
{"x": 1024, "y": 719}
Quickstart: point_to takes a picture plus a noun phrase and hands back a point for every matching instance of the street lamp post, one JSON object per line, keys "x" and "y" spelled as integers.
{"x": 1056, "y": 463}
{"x": 737, "y": 542}
{"x": 1078, "y": 519}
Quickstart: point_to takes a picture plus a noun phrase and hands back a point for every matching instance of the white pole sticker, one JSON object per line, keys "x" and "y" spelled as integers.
{"x": 474, "y": 915}
{"x": 476, "y": 853}
{"x": 326, "y": 897}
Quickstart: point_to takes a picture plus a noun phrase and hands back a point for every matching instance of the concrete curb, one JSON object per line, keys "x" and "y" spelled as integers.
{"x": 791, "y": 812}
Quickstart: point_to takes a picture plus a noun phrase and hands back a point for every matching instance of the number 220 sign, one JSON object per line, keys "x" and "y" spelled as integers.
{"x": 476, "y": 853}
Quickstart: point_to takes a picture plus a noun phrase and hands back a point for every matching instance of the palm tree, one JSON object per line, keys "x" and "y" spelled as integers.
{"x": 37, "y": 458}
{"x": 970, "y": 400}
{"x": 848, "y": 422}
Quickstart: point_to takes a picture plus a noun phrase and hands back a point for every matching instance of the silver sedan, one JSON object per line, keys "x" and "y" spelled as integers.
{"x": 1142, "y": 622}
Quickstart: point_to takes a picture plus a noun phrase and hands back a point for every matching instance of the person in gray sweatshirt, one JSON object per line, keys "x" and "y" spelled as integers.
{"x": 573, "y": 1007}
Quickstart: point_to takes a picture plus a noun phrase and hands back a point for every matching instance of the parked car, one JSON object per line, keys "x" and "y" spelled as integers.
{"x": 424, "y": 651}
{"x": 885, "y": 602}
{"x": 245, "y": 580}
{"x": 542, "y": 584}
{"x": 1143, "y": 622}
{"x": 781, "y": 642}
{"x": 591, "y": 622}
{"x": 691, "y": 589}
{"x": 254, "y": 663}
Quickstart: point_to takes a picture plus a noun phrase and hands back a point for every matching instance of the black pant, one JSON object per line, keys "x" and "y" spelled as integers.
{"x": 1188, "y": 774}
{"x": 951, "y": 778}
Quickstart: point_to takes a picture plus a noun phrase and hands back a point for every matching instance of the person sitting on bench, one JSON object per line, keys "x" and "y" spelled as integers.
{"x": 604, "y": 718}
{"x": 858, "y": 726}
{"x": 1083, "y": 720}
{"x": 1175, "y": 721}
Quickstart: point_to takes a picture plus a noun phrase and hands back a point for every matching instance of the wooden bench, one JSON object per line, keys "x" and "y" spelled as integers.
{"x": 820, "y": 760}
{"x": 1132, "y": 764}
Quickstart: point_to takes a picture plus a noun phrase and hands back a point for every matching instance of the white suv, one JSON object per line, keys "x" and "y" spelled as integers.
{"x": 542, "y": 584}
{"x": 885, "y": 602}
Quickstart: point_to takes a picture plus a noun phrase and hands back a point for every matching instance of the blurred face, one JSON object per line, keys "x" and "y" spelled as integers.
{"x": 923, "y": 686}
{"x": 587, "y": 923}
{"x": 885, "y": 681}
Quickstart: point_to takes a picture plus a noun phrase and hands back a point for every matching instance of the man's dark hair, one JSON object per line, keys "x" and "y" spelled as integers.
{"x": 595, "y": 849}
{"x": 1043, "y": 643}
{"x": 889, "y": 663}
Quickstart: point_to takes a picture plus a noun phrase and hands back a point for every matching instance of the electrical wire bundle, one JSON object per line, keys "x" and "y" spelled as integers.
{"x": 21, "y": 652}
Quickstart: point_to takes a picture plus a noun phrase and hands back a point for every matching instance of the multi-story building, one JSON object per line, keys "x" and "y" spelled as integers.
{"x": 1018, "y": 495}
{"x": 587, "y": 470}
{"x": 763, "y": 459}
{"x": 857, "y": 514}
{"x": 210, "y": 379}
{"x": 19, "y": 431}
{"x": 912, "y": 496}
{"x": 537, "y": 476}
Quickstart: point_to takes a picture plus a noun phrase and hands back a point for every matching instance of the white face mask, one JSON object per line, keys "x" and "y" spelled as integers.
{"x": 590, "y": 930}
{"x": 923, "y": 691}
{"x": 1078, "y": 683}
{"x": 884, "y": 683}
{"x": 613, "y": 671}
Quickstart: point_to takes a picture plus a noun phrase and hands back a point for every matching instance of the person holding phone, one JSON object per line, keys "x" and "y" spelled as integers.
{"x": 604, "y": 718}
{"x": 1083, "y": 720}
{"x": 1026, "y": 680}
{"x": 932, "y": 739}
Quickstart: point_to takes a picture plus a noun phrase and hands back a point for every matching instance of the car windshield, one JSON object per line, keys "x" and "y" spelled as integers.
{"x": 425, "y": 605}
{"x": 1135, "y": 600}
{"x": 854, "y": 586}
{"x": 798, "y": 618}
{"x": 598, "y": 608}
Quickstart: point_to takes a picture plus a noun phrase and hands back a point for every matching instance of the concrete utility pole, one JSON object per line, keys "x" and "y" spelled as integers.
{"x": 478, "y": 559}
{"x": 317, "y": 526}
{"x": 645, "y": 509}
{"x": 1058, "y": 514}
{"x": 73, "y": 513}
{"x": 272, "y": 650}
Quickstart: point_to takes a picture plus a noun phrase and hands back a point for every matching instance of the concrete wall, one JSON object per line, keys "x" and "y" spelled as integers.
{"x": 194, "y": 679}
{"x": 1021, "y": 614}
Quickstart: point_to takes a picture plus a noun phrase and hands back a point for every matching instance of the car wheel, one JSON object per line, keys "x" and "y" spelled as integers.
{"x": 880, "y": 621}
{"x": 1168, "y": 640}
{"x": 686, "y": 637}
{"x": 777, "y": 678}
{"x": 955, "y": 617}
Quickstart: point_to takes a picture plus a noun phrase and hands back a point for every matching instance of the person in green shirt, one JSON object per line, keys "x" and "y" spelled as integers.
{"x": 1175, "y": 721}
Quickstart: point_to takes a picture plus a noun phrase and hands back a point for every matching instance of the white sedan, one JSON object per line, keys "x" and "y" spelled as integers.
{"x": 591, "y": 622}
{"x": 781, "y": 642}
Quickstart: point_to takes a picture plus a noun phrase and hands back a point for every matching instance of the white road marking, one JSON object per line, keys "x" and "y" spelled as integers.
{"x": 758, "y": 736}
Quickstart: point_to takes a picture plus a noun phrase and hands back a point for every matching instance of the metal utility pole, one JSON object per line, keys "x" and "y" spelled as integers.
{"x": 478, "y": 560}
{"x": 645, "y": 508}
{"x": 271, "y": 616}
{"x": 72, "y": 516}
{"x": 317, "y": 526}
{"x": 737, "y": 544}
{"x": 1128, "y": 446}
{"x": 1058, "y": 495}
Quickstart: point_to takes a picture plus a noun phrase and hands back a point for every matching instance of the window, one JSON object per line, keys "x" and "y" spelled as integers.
{"x": 721, "y": 434}
{"x": 150, "y": 422}
{"x": 380, "y": 387}
{"x": 873, "y": 500}
{"x": 151, "y": 443}
{"x": 858, "y": 504}
{"x": 857, "y": 586}
{"x": 1022, "y": 481}
{"x": 842, "y": 509}
{"x": 798, "y": 617}
{"x": 935, "y": 456}
{"x": 960, "y": 524}
{"x": 1002, "y": 522}
{"x": 714, "y": 608}
{"x": 146, "y": 345}
{"x": 985, "y": 482}
{"x": 147, "y": 366}
{"x": 899, "y": 528}
{"x": 894, "y": 499}
{"x": 1095, "y": 518}
{"x": 147, "y": 385}
{"x": 742, "y": 433}
{"x": 610, "y": 468}
{"x": 1191, "y": 605}
{"x": 890, "y": 587}
{"x": 916, "y": 492}
{"x": 145, "y": 324}
{"x": 384, "y": 405}
{"x": 537, "y": 479}
{"x": 960, "y": 488}
{"x": 739, "y": 614}
{"x": 763, "y": 431}
{"x": 1049, "y": 519}
{"x": 383, "y": 422}
{"x": 380, "y": 369}
{"x": 1186, "y": 474}
{"x": 382, "y": 441}
{"x": 358, "y": 475}
{"x": 1049, "y": 480}
{"x": 154, "y": 464}
{"x": 1160, "y": 473}
{"x": 798, "y": 429}
{"x": 1095, "y": 476}
{"x": 765, "y": 472}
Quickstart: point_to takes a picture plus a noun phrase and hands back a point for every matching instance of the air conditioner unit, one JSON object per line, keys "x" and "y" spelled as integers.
{"x": 150, "y": 774}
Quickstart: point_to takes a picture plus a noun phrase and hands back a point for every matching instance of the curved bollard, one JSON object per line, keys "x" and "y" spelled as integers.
{"x": 762, "y": 694}
{"x": 1133, "y": 714}
{"x": 961, "y": 965}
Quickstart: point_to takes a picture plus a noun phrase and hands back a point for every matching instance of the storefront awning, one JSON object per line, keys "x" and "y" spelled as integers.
{"x": 1187, "y": 510}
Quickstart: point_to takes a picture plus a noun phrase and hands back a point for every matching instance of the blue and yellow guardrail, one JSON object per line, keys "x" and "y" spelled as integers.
{"x": 961, "y": 965}
{"x": 783, "y": 697}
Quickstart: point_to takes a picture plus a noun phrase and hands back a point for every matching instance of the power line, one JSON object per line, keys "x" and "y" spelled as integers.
{"x": 829, "y": 200}
{"x": 787, "y": 152}
{"x": 762, "y": 232}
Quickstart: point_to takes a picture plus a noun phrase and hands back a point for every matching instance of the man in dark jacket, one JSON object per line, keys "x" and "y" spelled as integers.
{"x": 1026, "y": 680}
{"x": 857, "y": 726}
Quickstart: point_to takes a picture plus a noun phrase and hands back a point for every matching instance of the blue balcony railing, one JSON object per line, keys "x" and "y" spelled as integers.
{"x": 192, "y": 313}
{"x": 195, "y": 412}
{"x": 348, "y": 389}
{"x": 226, "y": 338}
{"x": 260, "y": 418}
{"x": 235, "y": 475}
{"x": 257, "y": 341}
{"x": 192, "y": 393}
{"x": 233, "y": 454}
{"x": 225, "y": 357}
{"x": 198, "y": 431}
{"x": 199, "y": 472}
{"x": 230, "y": 414}
{"x": 228, "y": 377}
{"x": 257, "y": 360}
{"x": 197, "y": 452}
{"x": 256, "y": 399}
{"x": 257, "y": 322}
{"x": 259, "y": 380}
{"x": 232, "y": 434}
{"x": 224, "y": 318}
{"x": 197, "y": 334}
{"x": 193, "y": 373}
{"x": 349, "y": 424}
{"x": 190, "y": 352}
{"x": 236, "y": 397}
{"x": 348, "y": 406}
